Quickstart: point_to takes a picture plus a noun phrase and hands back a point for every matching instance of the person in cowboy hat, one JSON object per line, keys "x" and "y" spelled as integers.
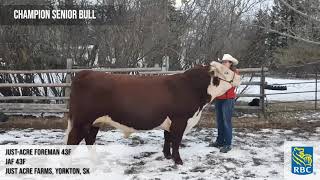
{"x": 224, "y": 108}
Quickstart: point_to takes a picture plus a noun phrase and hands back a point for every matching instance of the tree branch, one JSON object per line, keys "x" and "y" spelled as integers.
{"x": 288, "y": 35}
{"x": 299, "y": 12}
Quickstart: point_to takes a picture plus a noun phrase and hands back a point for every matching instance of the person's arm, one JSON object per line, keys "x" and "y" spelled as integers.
{"x": 237, "y": 71}
{"x": 237, "y": 74}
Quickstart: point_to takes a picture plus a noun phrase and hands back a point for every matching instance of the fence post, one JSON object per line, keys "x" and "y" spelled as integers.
{"x": 316, "y": 92}
{"x": 68, "y": 80}
{"x": 167, "y": 63}
{"x": 262, "y": 93}
{"x": 163, "y": 65}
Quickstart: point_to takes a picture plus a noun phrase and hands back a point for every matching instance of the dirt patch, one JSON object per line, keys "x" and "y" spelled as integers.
{"x": 23, "y": 122}
{"x": 286, "y": 120}
{"x": 307, "y": 120}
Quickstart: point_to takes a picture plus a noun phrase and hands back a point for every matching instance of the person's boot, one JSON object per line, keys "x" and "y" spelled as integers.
{"x": 225, "y": 149}
{"x": 215, "y": 144}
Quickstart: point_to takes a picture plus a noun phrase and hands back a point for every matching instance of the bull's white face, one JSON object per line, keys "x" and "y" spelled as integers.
{"x": 224, "y": 73}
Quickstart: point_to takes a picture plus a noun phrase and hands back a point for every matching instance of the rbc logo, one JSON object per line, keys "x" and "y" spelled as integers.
{"x": 302, "y": 160}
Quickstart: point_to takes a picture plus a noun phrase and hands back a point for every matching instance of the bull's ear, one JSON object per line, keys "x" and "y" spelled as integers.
{"x": 211, "y": 72}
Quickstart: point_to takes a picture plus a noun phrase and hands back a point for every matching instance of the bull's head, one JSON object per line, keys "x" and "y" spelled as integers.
{"x": 222, "y": 79}
{"x": 224, "y": 73}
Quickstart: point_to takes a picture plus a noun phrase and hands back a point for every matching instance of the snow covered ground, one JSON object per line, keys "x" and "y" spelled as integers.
{"x": 290, "y": 88}
{"x": 255, "y": 155}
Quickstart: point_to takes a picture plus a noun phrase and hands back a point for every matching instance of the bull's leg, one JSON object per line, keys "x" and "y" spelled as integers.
{"x": 75, "y": 136}
{"x": 90, "y": 138}
{"x": 177, "y": 129}
{"x": 167, "y": 145}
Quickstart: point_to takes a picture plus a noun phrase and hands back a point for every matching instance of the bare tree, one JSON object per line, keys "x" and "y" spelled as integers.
{"x": 299, "y": 33}
{"x": 214, "y": 27}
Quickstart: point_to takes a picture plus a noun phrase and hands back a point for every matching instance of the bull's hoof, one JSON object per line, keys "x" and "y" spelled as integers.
{"x": 178, "y": 161}
{"x": 167, "y": 155}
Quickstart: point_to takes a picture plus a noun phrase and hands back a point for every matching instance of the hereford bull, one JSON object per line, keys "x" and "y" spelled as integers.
{"x": 130, "y": 103}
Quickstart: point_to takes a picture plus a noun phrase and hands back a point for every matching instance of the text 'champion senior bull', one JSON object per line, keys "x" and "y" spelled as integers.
{"x": 131, "y": 103}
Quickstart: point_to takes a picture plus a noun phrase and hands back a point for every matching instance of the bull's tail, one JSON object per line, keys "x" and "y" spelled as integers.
{"x": 65, "y": 139}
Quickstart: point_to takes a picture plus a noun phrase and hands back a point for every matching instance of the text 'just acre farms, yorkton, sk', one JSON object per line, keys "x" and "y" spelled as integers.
{"x": 54, "y": 14}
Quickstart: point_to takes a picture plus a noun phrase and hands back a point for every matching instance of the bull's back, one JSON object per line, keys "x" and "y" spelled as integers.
{"x": 139, "y": 102}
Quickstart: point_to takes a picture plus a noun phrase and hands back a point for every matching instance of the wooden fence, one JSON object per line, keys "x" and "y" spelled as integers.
{"x": 63, "y": 107}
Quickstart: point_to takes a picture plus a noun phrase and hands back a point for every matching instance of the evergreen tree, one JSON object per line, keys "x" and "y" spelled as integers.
{"x": 257, "y": 53}
{"x": 286, "y": 20}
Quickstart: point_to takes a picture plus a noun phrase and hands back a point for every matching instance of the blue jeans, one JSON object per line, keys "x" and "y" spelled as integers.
{"x": 224, "y": 109}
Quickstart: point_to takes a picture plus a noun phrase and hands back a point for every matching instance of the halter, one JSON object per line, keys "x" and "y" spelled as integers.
{"x": 231, "y": 81}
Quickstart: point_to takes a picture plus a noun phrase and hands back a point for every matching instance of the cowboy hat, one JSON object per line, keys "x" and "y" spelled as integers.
{"x": 228, "y": 57}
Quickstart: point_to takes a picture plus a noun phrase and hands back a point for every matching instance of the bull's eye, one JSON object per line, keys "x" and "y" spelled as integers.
{"x": 226, "y": 72}
{"x": 211, "y": 73}
{"x": 215, "y": 81}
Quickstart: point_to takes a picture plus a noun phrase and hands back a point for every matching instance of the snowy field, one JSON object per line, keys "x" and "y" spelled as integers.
{"x": 255, "y": 155}
{"x": 290, "y": 88}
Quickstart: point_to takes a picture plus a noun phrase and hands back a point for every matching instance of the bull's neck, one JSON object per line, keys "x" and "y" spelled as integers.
{"x": 199, "y": 80}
